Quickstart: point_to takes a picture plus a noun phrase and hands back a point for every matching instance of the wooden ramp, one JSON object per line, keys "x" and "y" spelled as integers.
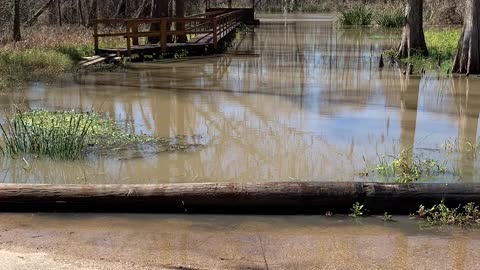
{"x": 202, "y": 32}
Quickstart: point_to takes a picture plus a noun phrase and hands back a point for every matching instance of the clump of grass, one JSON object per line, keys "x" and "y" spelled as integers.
{"x": 358, "y": 15}
{"x": 390, "y": 16}
{"x": 32, "y": 65}
{"x": 441, "y": 214}
{"x": 62, "y": 137}
{"x": 76, "y": 52}
{"x": 67, "y": 135}
{"x": 357, "y": 210}
{"x": 406, "y": 170}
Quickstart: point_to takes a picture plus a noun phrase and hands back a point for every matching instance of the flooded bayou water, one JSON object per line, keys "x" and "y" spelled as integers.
{"x": 291, "y": 100}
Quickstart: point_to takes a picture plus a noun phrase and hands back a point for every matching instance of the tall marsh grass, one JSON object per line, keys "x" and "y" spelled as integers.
{"x": 358, "y": 15}
{"x": 61, "y": 136}
{"x": 390, "y": 16}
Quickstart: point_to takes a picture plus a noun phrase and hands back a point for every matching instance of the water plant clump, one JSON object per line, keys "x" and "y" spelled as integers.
{"x": 357, "y": 210}
{"x": 66, "y": 135}
{"x": 406, "y": 170}
{"x": 441, "y": 214}
{"x": 62, "y": 136}
{"x": 391, "y": 16}
{"x": 358, "y": 15}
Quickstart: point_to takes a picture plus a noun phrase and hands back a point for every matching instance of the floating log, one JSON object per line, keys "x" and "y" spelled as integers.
{"x": 229, "y": 198}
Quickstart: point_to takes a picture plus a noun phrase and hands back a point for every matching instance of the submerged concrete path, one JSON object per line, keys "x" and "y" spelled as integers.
{"x": 153, "y": 241}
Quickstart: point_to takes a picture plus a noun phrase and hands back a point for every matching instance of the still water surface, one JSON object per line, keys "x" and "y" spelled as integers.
{"x": 291, "y": 100}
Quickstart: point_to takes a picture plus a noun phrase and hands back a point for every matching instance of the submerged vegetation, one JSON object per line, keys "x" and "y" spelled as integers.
{"x": 357, "y": 210}
{"x": 403, "y": 169}
{"x": 441, "y": 214}
{"x": 66, "y": 135}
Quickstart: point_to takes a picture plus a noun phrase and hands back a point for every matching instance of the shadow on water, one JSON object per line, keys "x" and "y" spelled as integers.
{"x": 293, "y": 100}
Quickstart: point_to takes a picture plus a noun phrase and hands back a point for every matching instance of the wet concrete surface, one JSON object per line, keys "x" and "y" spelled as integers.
{"x": 125, "y": 241}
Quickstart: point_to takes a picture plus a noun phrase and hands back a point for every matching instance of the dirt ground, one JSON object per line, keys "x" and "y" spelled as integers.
{"x": 125, "y": 241}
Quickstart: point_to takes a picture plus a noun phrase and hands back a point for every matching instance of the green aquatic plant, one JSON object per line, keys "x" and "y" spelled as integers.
{"x": 441, "y": 214}
{"x": 358, "y": 15}
{"x": 66, "y": 135}
{"x": 62, "y": 137}
{"x": 386, "y": 217}
{"x": 390, "y": 16}
{"x": 357, "y": 210}
{"x": 406, "y": 170}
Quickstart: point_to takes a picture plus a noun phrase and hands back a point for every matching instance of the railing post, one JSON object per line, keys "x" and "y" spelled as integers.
{"x": 95, "y": 36}
{"x": 129, "y": 47}
{"x": 134, "y": 29}
{"x": 215, "y": 37}
{"x": 163, "y": 34}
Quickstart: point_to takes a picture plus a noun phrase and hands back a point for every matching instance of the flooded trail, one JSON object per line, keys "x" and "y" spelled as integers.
{"x": 90, "y": 241}
{"x": 292, "y": 100}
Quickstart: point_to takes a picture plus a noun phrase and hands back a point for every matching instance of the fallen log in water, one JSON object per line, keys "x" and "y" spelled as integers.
{"x": 273, "y": 197}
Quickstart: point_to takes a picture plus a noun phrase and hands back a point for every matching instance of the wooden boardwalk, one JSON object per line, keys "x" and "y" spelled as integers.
{"x": 169, "y": 35}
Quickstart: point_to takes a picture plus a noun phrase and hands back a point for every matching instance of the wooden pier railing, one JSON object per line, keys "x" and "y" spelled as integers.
{"x": 206, "y": 29}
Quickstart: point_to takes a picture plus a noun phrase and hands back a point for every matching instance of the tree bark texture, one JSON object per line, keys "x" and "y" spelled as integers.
{"x": 467, "y": 56}
{"x": 271, "y": 197}
{"x": 17, "y": 35}
{"x": 413, "y": 38}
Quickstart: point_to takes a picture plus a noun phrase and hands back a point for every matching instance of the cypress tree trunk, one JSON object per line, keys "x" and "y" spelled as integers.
{"x": 467, "y": 57}
{"x": 413, "y": 38}
{"x": 17, "y": 35}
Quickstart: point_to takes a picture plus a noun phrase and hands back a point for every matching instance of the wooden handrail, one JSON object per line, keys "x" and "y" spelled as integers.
{"x": 217, "y": 25}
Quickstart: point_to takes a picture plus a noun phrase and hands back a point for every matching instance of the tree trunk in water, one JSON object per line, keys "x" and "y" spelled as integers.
{"x": 413, "y": 38}
{"x": 92, "y": 14}
{"x": 81, "y": 19}
{"x": 180, "y": 10}
{"x": 467, "y": 57}
{"x": 17, "y": 35}
{"x": 159, "y": 9}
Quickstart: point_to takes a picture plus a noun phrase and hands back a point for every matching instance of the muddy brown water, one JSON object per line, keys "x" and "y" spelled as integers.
{"x": 293, "y": 100}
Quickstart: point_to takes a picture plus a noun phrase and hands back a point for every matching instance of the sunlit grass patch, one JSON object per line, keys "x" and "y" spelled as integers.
{"x": 441, "y": 44}
{"x": 32, "y": 64}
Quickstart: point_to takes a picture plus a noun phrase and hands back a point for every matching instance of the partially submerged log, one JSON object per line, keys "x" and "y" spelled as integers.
{"x": 229, "y": 198}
